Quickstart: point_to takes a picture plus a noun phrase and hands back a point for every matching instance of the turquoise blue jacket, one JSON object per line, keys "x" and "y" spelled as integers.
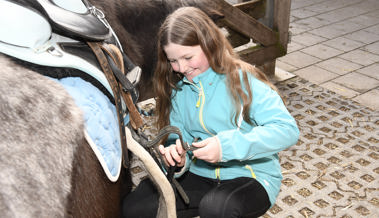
{"x": 204, "y": 108}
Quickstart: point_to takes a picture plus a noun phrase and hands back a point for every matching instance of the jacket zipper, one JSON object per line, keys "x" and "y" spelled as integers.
{"x": 251, "y": 171}
{"x": 200, "y": 103}
{"x": 217, "y": 173}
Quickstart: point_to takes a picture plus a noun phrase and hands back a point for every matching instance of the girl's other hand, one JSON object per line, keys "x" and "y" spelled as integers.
{"x": 208, "y": 150}
{"x": 173, "y": 154}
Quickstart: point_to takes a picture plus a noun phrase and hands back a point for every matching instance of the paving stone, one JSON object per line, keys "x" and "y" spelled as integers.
{"x": 373, "y": 29}
{"x": 373, "y": 14}
{"x": 285, "y": 66}
{"x": 370, "y": 5}
{"x": 370, "y": 99}
{"x": 302, "y": 13}
{"x": 365, "y": 20}
{"x": 372, "y": 48}
{"x": 297, "y": 28}
{"x": 363, "y": 36}
{"x": 294, "y": 46}
{"x": 358, "y": 82}
{"x": 295, "y": 4}
{"x": 342, "y": 13}
{"x": 293, "y": 19}
{"x": 326, "y": 6}
{"x": 343, "y": 44}
{"x": 299, "y": 59}
{"x": 336, "y": 29}
{"x": 312, "y": 22}
{"x": 307, "y": 39}
{"x": 338, "y": 65}
{"x": 360, "y": 57}
{"x": 322, "y": 51}
{"x": 372, "y": 71}
{"x": 281, "y": 75}
{"x": 315, "y": 74}
{"x": 341, "y": 90}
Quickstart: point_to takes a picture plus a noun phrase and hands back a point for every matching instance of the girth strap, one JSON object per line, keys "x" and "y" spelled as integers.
{"x": 135, "y": 118}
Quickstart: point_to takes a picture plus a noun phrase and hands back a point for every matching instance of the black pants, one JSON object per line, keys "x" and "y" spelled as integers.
{"x": 240, "y": 197}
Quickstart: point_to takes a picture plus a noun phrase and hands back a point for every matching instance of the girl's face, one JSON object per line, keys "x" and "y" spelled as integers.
{"x": 188, "y": 60}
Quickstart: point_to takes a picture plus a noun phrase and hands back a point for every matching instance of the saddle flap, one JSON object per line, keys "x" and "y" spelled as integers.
{"x": 89, "y": 26}
{"x": 37, "y": 27}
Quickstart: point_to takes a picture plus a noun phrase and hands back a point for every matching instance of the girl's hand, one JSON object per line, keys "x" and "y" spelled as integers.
{"x": 173, "y": 154}
{"x": 208, "y": 150}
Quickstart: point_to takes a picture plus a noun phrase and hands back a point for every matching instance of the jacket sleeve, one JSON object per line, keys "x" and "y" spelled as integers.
{"x": 276, "y": 129}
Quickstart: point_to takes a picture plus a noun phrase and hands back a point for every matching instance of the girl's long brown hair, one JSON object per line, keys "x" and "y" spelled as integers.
{"x": 189, "y": 26}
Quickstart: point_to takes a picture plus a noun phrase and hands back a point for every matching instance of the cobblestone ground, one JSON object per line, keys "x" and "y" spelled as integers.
{"x": 333, "y": 171}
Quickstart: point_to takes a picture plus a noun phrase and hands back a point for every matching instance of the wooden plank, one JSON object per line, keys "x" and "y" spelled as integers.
{"x": 265, "y": 57}
{"x": 259, "y": 55}
{"x": 243, "y": 23}
{"x": 256, "y": 9}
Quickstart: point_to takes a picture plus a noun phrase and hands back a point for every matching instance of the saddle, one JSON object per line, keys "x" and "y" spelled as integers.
{"x": 73, "y": 18}
{"x": 42, "y": 22}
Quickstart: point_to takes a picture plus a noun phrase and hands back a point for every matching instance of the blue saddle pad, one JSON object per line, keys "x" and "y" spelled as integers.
{"x": 101, "y": 124}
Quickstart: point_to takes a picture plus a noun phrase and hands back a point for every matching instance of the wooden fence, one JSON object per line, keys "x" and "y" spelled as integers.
{"x": 258, "y": 29}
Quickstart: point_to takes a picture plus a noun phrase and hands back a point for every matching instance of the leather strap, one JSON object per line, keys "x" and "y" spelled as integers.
{"x": 153, "y": 147}
{"x": 116, "y": 56}
{"x": 96, "y": 47}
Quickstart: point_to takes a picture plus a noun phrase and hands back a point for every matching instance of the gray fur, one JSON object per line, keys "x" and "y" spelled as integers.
{"x": 34, "y": 111}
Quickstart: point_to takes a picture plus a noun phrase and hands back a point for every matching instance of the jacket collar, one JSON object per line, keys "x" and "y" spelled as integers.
{"x": 206, "y": 77}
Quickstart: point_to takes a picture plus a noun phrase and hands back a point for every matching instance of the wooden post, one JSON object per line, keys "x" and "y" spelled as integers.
{"x": 271, "y": 36}
{"x": 282, "y": 10}
{"x": 281, "y": 20}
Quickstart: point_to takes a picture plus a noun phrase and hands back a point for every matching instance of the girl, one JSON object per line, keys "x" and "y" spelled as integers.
{"x": 229, "y": 111}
